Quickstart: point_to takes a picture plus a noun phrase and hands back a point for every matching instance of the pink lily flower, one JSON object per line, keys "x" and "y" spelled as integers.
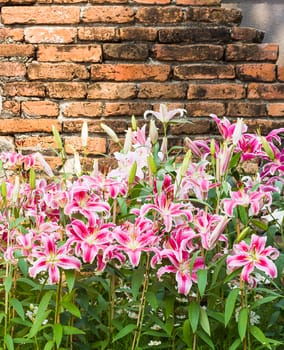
{"x": 230, "y": 131}
{"x": 50, "y": 258}
{"x": 250, "y": 147}
{"x": 89, "y": 238}
{"x": 253, "y": 256}
{"x": 135, "y": 238}
{"x": 164, "y": 115}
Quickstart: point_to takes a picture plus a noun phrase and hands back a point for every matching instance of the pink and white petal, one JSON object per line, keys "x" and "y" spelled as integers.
{"x": 134, "y": 257}
{"x": 54, "y": 274}
{"x": 247, "y": 270}
{"x": 267, "y": 266}
{"x": 166, "y": 269}
{"x": 184, "y": 282}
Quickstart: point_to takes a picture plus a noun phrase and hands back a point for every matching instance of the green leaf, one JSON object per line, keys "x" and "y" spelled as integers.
{"x": 187, "y": 334}
{"x": 9, "y": 342}
{"x": 152, "y": 300}
{"x": 243, "y": 214}
{"x": 193, "y": 315}
{"x": 204, "y": 322}
{"x": 17, "y": 305}
{"x": 57, "y": 333}
{"x": 124, "y": 331}
{"x": 70, "y": 330}
{"x": 259, "y": 335}
{"x": 70, "y": 307}
{"x": 70, "y": 278}
{"x": 32, "y": 178}
{"x": 206, "y": 339}
{"x": 8, "y": 283}
{"x": 235, "y": 344}
{"x": 201, "y": 281}
{"x": 137, "y": 281}
{"x": 230, "y": 305}
{"x": 41, "y": 314}
{"x": 49, "y": 345}
{"x": 243, "y": 322}
{"x": 264, "y": 300}
{"x": 235, "y": 160}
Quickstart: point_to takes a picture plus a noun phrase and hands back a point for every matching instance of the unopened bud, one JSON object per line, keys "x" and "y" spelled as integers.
{"x": 110, "y": 133}
{"x": 84, "y": 134}
{"x": 153, "y": 132}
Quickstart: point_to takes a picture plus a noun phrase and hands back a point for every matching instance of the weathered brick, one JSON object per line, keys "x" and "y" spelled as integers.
{"x": 162, "y": 90}
{"x": 75, "y": 125}
{"x": 50, "y": 35}
{"x": 82, "y": 109}
{"x": 187, "y": 52}
{"x": 12, "y": 69}
{"x": 153, "y": 2}
{"x": 251, "y": 52}
{"x": 246, "y": 109}
{"x": 108, "y": 14}
{"x": 18, "y": 50}
{"x": 66, "y": 90}
{"x": 126, "y": 109}
{"x": 196, "y": 34}
{"x": 204, "y": 109}
{"x": 35, "y": 143}
{"x": 57, "y": 71}
{"x": 143, "y": 33}
{"x": 130, "y": 72}
{"x": 204, "y": 71}
{"x": 216, "y": 15}
{"x": 256, "y": 72}
{"x": 40, "y": 15}
{"x": 98, "y": 33}
{"x": 11, "y": 108}
{"x": 198, "y": 126}
{"x": 95, "y": 145}
{"x": 280, "y": 73}
{"x": 15, "y": 126}
{"x": 247, "y": 34}
{"x": 263, "y": 125}
{"x": 7, "y": 144}
{"x": 131, "y": 51}
{"x": 155, "y": 15}
{"x": 198, "y": 2}
{"x": 266, "y": 91}
{"x": 40, "y": 108}
{"x": 216, "y": 91}
{"x": 108, "y": 1}
{"x": 14, "y": 34}
{"x": 24, "y": 89}
{"x": 112, "y": 91}
{"x": 75, "y": 53}
{"x": 276, "y": 109}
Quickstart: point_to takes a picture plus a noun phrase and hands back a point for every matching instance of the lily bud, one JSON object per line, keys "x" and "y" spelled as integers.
{"x": 84, "y": 134}
{"x": 267, "y": 148}
{"x": 132, "y": 173}
{"x": 16, "y": 189}
{"x": 128, "y": 141}
{"x": 57, "y": 138}
{"x": 185, "y": 163}
{"x": 164, "y": 146}
{"x": 237, "y": 134}
{"x": 133, "y": 123}
{"x": 152, "y": 164}
{"x": 77, "y": 164}
{"x": 110, "y": 133}
{"x": 153, "y": 132}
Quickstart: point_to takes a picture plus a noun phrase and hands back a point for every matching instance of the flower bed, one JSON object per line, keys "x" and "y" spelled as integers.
{"x": 173, "y": 249}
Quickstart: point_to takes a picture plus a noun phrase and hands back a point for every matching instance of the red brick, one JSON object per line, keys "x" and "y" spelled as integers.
{"x": 95, "y": 145}
{"x": 12, "y": 69}
{"x": 108, "y": 14}
{"x": 266, "y": 91}
{"x": 24, "y": 89}
{"x": 251, "y": 52}
{"x": 216, "y": 15}
{"x": 11, "y": 108}
{"x": 204, "y": 109}
{"x": 130, "y": 72}
{"x": 198, "y": 2}
{"x": 153, "y": 2}
{"x": 40, "y": 15}
{"x": 98, "y": 33}
{"x": 216, "y": 91}
{"x": 126, "y": 109}
{"x": 155, "y": 15}
{"x": 247, "y": 34}
{"x": 198, "y": 126}
{"x": 112, "y": 91}
{"x": 75, "y": 53}
{"x": 204, "y": 71}
{"x": 280, "y": 73}
{"x": 126, "y": 51}
{"x": 50, "y": 35}
{"x": 40, "y": 108}
{"x": 256, "y": 72}
{"x": 14, "y": 34}
{"x": 82, "y": 109}
{"x": 14, "y": 126}
{"x": 18, "y": 50}
{"x": 162, "y": 90}
{"x": 108, "y": 1}
{"x": 66, "y": 90}
{"x": 75, "y": 125}
{"x": 246, "y": 109}
{"x": 143, "y": 33}
{"x": 188, "y": 52}
{"x": 276, "y": 109}
{"x": 57, "y": 71}
{"x": 263, "y": 125}
{"x": 35, "y": 143}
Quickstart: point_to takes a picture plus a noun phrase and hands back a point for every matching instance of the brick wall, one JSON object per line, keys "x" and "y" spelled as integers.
{"x": 65, "y": 61}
